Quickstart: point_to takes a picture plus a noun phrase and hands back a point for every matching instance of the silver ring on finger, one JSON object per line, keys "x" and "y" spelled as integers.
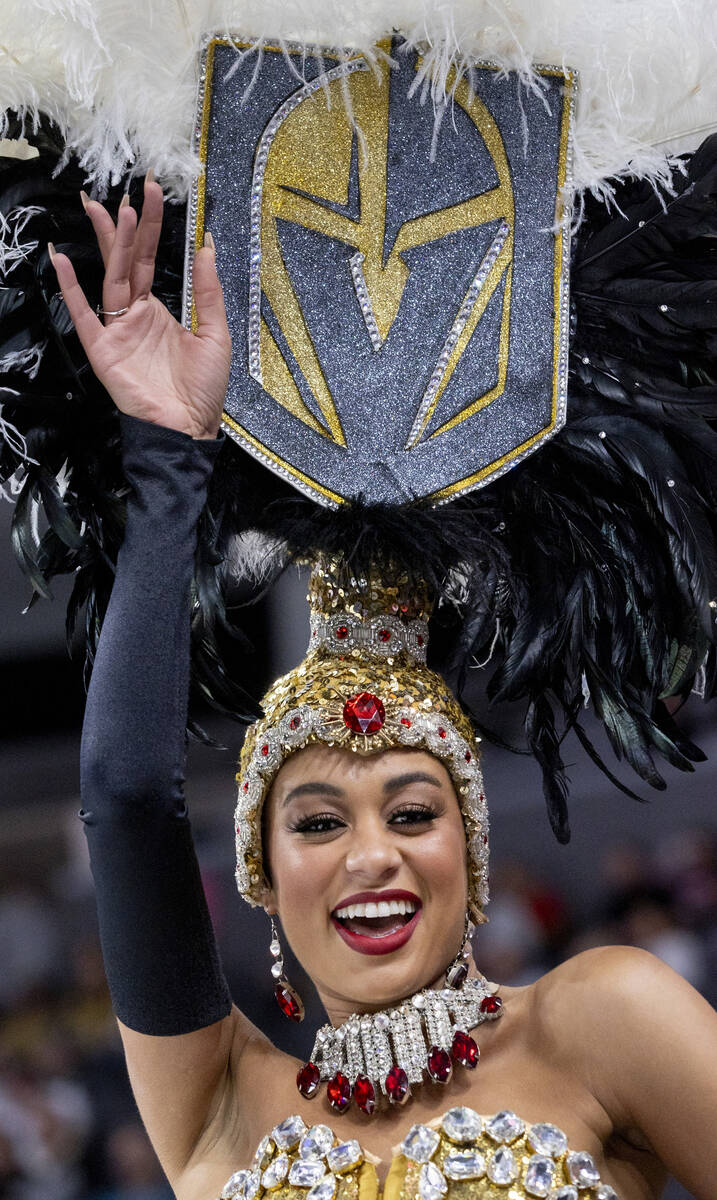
{"x": 105, "y": 312}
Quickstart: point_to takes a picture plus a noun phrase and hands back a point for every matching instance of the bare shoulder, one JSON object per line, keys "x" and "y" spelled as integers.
{"x": 643, "y": 1042}
{"x": 602, "y": 1014}
{"x": 594, "y": 989}
{"x": 603, "y": 969}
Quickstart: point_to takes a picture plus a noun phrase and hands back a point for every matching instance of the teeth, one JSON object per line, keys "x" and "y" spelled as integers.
{"x": 384, "y": 908}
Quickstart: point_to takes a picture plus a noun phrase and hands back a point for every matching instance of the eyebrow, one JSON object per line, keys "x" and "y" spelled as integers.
{"x": 390, "y": 787}
{"x": 401, "y": 781}
{"x": 316, "y": 788}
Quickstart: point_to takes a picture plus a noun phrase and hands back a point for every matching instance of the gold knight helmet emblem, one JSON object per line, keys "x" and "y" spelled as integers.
{"x": 396, "y": 274}
{"x": 306, "y": 178}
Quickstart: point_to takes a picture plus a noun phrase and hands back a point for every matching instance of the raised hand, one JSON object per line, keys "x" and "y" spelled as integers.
{"x": 152, "y": 367}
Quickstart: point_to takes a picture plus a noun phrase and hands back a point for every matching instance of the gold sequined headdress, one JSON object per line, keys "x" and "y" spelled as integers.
{"x": 364, "y": 685}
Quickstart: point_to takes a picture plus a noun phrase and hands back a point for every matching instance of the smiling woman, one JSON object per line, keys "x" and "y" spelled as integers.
{"x": 362, "y": 854}
{"x": 398, "y": 292}
{"x": 362, "y": 826}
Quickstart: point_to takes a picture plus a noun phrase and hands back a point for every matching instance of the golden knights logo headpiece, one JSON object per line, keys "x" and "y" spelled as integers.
{"x": 396, "y": 285}
{"x": 396, "y": 288}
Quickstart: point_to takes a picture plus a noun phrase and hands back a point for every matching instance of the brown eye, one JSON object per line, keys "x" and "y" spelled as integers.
{"x": 416, "y": 814}
{"x": 319, "y": 823}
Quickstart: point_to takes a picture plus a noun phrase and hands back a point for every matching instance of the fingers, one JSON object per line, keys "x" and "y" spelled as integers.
{"x": 87, "y": 324}
{"x": 102, "y": 224}
{"x": 116, "y": 290}
{"x": 208, "y": 295}
{"x": 147, "y": 240}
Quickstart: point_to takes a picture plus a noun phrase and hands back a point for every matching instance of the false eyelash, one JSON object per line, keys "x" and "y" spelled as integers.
{"x": 415, "y": 810}
{"x": 303, "y": 824}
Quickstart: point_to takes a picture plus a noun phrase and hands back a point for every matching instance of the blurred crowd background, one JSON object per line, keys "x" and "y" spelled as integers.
{"x": 642, "y": 875}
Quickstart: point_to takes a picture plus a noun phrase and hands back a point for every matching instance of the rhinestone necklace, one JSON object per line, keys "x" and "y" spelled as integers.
{"x": 392, "y": 1050}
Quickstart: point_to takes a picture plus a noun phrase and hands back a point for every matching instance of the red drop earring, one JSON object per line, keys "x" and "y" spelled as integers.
{"x": 286, "y": 996}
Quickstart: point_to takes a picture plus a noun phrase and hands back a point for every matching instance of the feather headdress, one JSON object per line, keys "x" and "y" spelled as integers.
{"x": 588, "y": 572}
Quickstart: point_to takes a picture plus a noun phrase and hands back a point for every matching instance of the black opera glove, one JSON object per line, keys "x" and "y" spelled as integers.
{"x": 158, "y": 944}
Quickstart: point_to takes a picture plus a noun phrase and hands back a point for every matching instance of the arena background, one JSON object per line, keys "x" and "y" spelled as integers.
{"x": 644, "y": 874}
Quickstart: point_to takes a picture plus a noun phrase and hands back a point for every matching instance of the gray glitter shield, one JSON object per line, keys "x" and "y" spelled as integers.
{"x": 396, "y": 277}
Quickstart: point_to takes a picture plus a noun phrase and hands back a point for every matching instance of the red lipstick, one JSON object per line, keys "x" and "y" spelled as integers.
{"x": 378, "y": 944}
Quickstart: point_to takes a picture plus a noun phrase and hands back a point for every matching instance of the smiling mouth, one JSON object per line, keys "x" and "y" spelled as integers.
{"x": 376, "y": 920}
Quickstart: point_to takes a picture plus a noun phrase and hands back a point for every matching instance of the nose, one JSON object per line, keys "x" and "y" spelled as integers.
{"x": 372, "y": 855}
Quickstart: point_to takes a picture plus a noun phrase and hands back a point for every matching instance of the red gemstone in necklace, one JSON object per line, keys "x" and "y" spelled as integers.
{"x": 289, "y": 1001}
{"x": 440, "y": 1067}
{"x": 308, "y": 1080}
{"x": 397, "y": 1085}
{"x": 338, "y": 1091}
{"x": 491, "y": 1005}
{"x": 364, "y": 1094}
{"x": 464, "y": 1049}
{"x": 364, "y": 713}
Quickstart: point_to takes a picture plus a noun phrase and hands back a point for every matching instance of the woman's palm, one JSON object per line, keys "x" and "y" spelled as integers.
{"x": 152, "y": 366}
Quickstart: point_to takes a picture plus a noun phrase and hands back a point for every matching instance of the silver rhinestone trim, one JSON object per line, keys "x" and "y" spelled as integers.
{"x": 572, "y": 85}
{"x": 411, "y": 636}
{"x": 373, "y": 1043}
{"x": 364, "y": 299}
{"x": 455, "y": 332}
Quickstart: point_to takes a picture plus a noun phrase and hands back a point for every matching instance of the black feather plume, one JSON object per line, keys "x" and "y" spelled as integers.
{"x": 589, "y": 571}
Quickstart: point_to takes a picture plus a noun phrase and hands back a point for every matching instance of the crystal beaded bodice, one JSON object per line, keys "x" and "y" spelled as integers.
{"x": 460, "y": 1156}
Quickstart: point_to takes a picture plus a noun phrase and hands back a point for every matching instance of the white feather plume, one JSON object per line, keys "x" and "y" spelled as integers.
{"x": 256, "y": 557}
{"x": 10, "y": 434}
{"x": 119, "y": 76}
{"x": 12, "y": 250}
{"x": 27, "y": 360}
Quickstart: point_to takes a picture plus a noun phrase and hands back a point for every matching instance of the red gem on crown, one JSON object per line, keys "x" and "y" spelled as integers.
{"x": 384, "y": 635}
{"x": 442, "y": 733}
{"x": 342, "y": 631}
{"x": 405, "y": 721}
{"x": 364, "y": 713}
{"x": 265, "y": 750}
{"x": 294, "y": 723}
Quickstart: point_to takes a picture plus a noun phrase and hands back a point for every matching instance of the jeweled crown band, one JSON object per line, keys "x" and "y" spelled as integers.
{"x": 384, "y": 635}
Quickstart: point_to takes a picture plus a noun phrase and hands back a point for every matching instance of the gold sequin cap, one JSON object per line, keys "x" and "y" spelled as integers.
{"x": 363, "y": 685}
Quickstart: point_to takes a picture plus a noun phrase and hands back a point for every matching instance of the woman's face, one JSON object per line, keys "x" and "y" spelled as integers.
{"x": 346, "y": 833}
